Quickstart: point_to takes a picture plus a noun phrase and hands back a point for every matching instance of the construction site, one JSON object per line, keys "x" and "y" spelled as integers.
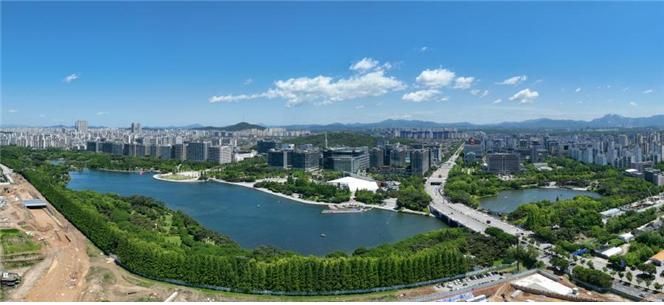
{"x": 66, "y": 266}
{"x": 56, "y": 262}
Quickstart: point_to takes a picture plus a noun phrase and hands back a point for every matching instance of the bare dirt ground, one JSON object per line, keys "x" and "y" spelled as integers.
{"x": 61, "y": 275}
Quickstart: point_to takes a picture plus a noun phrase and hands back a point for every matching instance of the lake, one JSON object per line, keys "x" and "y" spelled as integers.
{"x": 508, "y": 201}
{"x": 253, "y": 218}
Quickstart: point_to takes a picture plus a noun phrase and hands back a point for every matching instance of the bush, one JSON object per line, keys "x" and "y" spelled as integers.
{"x": 593, "y": 277}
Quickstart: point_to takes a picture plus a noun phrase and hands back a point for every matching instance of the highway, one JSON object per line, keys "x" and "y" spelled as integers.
{"x": 478, "y": 221}
{"x": 461, "y": 214}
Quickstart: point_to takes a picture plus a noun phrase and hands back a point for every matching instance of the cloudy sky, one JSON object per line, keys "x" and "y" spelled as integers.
{"x": 288, "y": 63}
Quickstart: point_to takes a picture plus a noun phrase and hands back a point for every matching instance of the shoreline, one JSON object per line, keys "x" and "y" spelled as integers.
{"x": 126, "y": 170}
{"x": 250, "y": 185}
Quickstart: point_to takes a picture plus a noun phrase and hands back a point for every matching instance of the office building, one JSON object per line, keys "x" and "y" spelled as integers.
{"x": 180, "y": 152}
{"x": 376, "y": 157}
{"x": 220, "y": 154}
{"x": 346, "y": 159}
{"x": 503, "y": 163}
{"x": 197, "y": 151}
{"x": 654, "y": 176}
{"x": 93, "y": 146}
{"x": 473, "y": 145}
{"x": 117, "y": 148}
{"x": 307, "y": 160}
{"x": 262, "y": 147}
{"x": 278, "y": 158}
{"x": 301, "y": 159}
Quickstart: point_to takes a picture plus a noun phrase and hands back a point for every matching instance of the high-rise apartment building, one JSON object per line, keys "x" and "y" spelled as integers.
{"x": 81, "y": 126}
{"x": 136, "y": 128}
{"x": 419, "y": 161}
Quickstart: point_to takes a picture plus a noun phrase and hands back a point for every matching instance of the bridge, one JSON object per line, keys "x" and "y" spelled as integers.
{"x": 460, "y": 214}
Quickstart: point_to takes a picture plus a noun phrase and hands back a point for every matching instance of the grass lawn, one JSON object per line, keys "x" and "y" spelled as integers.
{"x": 14, "y": 241}
{"x": 176, "y": 177}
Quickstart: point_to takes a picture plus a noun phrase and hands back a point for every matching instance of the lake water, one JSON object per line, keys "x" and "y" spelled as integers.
{"x": 508, "y": 201}
{"x": 254, "y": 218}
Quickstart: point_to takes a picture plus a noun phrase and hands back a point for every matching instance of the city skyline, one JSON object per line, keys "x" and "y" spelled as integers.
{"x": 221, "y": 62}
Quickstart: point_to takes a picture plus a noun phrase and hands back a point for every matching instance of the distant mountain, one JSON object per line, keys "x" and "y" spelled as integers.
{"x": 607, "y": 121}
{"x": 382, "y": 124}
{"x": 234, "y": 127}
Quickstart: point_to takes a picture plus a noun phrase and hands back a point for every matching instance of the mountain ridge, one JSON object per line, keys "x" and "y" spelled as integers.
{"x": 606, "y": 121}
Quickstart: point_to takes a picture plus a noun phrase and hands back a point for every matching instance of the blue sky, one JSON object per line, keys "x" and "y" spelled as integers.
{"x": 213, "y": 63}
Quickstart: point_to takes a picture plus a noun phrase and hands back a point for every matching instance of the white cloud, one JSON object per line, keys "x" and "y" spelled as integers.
{"x": 435, "y": 78}
{"x": 463, "y": 82}
{"x": 12, "y": 110}
{"x": 577, "y": 90}
{"x": 235, "y": 98}
{"x": 498, "y": 101}
{"x": 359, "y": 107}
{"x": 424, "y": 49}
{"x": 102, "y": 113}
{"x": 70, "y": 78}
{"x": 525, "y": 96}
{"x": 633, "y": 104}
{"x": 323, "y": 89}
{"x": 365, "y": 64}
{"x": 248, "y": 81}
{"x": 423, "y": 96}
{"x": 514, "y": 80}
{"x": 480, "y": 93}
{"x": 648, "y": 91}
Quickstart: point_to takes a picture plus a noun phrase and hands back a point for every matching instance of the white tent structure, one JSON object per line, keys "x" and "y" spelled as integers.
{"x": 354, "y": 184}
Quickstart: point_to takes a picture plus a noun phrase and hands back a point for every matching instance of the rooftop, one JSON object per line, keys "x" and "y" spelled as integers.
{"x": 34, "y": 203}
{"x": 659, "y": 256}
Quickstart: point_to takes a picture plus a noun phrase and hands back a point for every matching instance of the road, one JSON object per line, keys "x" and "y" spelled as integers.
{"x": 479, "y": 221}
{"x": 461, "y": 214}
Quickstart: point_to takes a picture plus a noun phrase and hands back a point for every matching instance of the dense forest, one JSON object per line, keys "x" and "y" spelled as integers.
{"x": 148, "y": 238}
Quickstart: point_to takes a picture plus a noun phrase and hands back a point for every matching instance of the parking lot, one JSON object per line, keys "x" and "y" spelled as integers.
{"x": 471, "y": 281}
